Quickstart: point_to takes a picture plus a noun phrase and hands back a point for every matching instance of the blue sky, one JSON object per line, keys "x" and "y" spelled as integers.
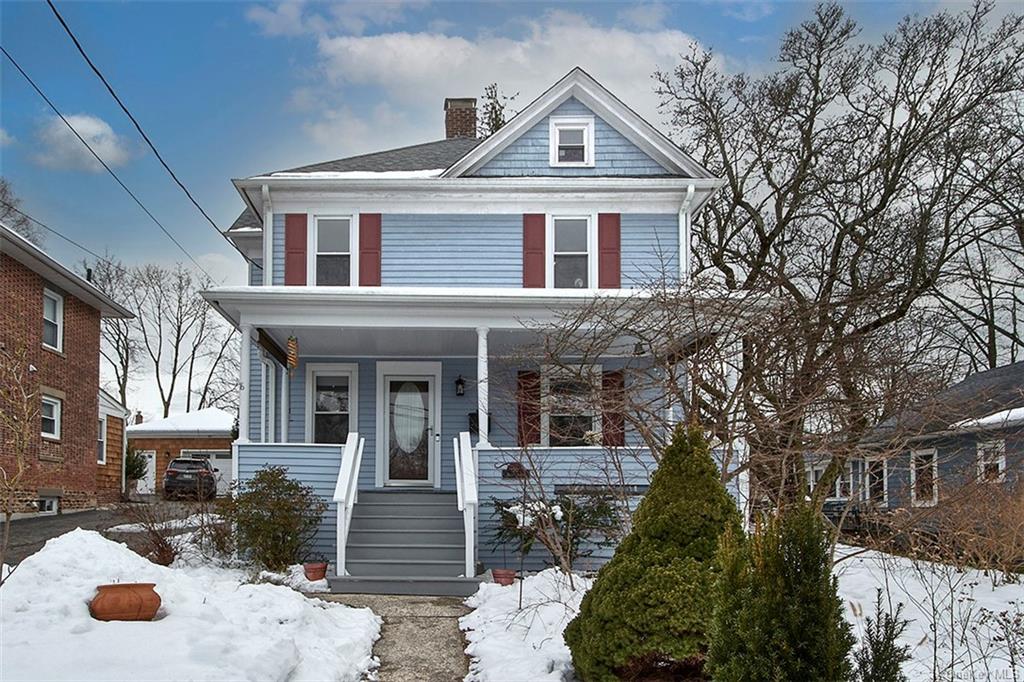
{"x": 231, "y": 89}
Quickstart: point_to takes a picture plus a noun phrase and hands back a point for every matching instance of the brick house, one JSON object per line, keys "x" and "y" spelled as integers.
{"x": 110, "y": 448}
{"x": 203, "y": 433}
{"x": 54, "y": 316}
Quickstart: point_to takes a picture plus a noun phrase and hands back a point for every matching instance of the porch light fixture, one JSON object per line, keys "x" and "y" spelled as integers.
{"x": 460, "y": 386}
{"x": 638, "y": 349}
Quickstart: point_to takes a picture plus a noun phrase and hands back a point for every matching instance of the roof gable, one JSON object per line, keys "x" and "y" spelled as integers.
{"x": 580, "y": 86}
{"x": 614, "y": 154}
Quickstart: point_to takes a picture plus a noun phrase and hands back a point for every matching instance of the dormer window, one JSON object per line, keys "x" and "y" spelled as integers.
{"x": 572, "y": 141}
{"x": 333, "y": 251}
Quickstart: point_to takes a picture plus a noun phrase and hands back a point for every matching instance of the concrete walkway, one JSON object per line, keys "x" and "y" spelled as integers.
{"x": 420, "y": 639}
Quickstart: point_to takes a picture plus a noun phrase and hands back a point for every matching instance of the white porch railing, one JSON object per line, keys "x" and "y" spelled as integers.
{"x": 346, "y": 492}
{"x": 467, "y": 494}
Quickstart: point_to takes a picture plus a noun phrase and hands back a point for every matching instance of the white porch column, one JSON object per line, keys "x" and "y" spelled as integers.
{"x": 482, "y": 386}
{"x": 282, "y": 436}
{"x": 244, "y": 372}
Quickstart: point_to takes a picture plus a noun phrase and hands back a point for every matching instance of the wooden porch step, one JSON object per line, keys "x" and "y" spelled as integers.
{"x": 418, "y": 585}
{"x": 404, "y": 567}
{"x": 399, "y": 534}
{"x": 407, "y": 522}
{"x": 407, "y": 552}
{"x": 441, "y": 508}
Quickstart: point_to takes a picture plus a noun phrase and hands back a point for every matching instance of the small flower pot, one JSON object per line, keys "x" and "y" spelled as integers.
{"x": 504, "y": 576}
{"x": 125, "y": 601}
{"x": 315, "y": 570}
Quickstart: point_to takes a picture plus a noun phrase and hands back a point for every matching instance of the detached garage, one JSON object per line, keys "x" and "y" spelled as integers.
{"x": 204, "y": 433}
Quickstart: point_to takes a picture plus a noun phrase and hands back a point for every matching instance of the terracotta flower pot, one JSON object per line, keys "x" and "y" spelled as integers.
{"x": 504, "y": 576}
{"x": 125, "y": 601}
{"x": 315, "y": 570}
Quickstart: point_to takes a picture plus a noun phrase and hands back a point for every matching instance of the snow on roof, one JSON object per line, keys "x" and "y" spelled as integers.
{"x": 361, "y": 175}
{"x": 993, "y": 421}
{"x": 211, "y": 421}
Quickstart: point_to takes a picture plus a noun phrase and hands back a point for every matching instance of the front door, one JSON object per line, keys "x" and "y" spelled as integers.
{"x": 409, "y": 422}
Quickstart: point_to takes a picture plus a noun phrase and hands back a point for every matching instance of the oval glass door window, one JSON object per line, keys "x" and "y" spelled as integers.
{"x": 410, "y": 416}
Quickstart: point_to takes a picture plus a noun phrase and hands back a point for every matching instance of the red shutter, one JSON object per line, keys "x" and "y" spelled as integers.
{"x": 534, "y": 263}
{"x": 613, "y": 422}
{"x": 369, "y": 249}
{"x": 528, "y": 399}
{"x": 609, "y": 251}
{"x": 295, "y": 249}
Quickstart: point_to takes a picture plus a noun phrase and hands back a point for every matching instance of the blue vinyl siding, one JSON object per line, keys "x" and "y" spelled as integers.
{"x": 255, "y": 391}
{"x": 613, "y": 153}
{"x": 278, "y": 249}
{"x": 256, "y": 273}
{"x": 650, "y": 248}
{"x": 452, "y": 250}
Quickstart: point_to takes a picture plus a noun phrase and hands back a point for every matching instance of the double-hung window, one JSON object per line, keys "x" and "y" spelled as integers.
{"x": 333, "y": 251}
{"x": 571, "y": 415}
{"x": 570, "y": 264}
{"x": 876, "y": 482}
{"x": 267, "y": 402}
{"x": 53, "y": 320}
{"x": 101, "y": 441}
{"x": 924, "y": 477}
{"x": 571, "y": 141}
{"x": 842, "y": 487}
{"x": 49, "y": 412}
{"x": 331, "y": 408}
{"x": 992, "y": 460}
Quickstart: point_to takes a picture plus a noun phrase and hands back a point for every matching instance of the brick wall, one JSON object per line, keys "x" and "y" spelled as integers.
{"x": 67, "y": 465}
{"x": 108, "y": 476}
{"x": 168, "y": 448}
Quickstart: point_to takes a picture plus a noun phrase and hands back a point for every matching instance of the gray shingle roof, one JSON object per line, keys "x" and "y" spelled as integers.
{"x": 248, "y": 218}
{"x": 426, "y": 156}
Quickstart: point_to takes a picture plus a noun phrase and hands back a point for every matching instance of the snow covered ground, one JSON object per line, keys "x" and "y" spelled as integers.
{"x": 212, "y": 625}
{"x": 192, "y": 521}
{"x": 508, "y": 643}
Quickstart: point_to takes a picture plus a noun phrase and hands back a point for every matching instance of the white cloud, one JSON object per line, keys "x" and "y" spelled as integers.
{"x": 746, "y": 10}
{"x": 648, "y": 15}
{"x": 5, "y": 138}
{"x": 59, "y": 148}
{"x": 296, "y": 17}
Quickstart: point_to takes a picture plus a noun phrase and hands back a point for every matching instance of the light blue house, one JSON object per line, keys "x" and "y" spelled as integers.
{"x": 401, "y": 280}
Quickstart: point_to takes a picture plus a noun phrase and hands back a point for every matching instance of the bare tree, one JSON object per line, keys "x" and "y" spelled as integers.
{"x": 12, "y": 217}
{"x": 494, "y": 110}
{"x": 19, "y": 428}
{"x": 119, "y": 345}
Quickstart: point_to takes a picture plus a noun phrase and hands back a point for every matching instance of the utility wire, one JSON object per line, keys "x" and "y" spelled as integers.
{"x": 101, "y": 161}
{"x": 135, "y": 122}
{"x": 46, "y": 227}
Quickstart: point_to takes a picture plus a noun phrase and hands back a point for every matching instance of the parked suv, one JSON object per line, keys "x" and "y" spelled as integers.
{"x": 187, "y": 477}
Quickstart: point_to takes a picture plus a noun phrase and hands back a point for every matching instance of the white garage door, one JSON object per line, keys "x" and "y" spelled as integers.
{"x": 221, "y": 461}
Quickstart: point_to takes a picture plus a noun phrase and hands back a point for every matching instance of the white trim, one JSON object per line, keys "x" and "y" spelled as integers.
{"x": 482, "y": 387}
{"x": 268, "y": 392}
{"x": 391, "y": 368}
{"x": 549, "y": 249}
{"x": 312, "y": 235}
{"x": 935, "y": 477}
{"x": 58, "y": 408}
{"x": 59, "y": 312}
{"x": 268, "y": 233}
{"x": 285, "y": 405}
{"x": 866, "y": 481}
{"x": 546, "y": 373}
{"x": 835, "y": 495}
{"x": 559, "y": 123}
{"x": 102, "y": 419}
{"x": 1000, "y": 460}
{"x": 245, "y": 379}
{"x": 349, "y": 369}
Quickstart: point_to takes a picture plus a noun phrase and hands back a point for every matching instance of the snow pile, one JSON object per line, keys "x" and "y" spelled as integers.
{"x": 361, "y": 175}
{"x": 946, "y": 608}
{"x": 209, "y": 627}
{"x": 508, "y": 644}
{"x": 526, "y": 514}
{"x": 995, "y": 420}
{"x": 295, "y": 578}
{"x": 193, "y": 521}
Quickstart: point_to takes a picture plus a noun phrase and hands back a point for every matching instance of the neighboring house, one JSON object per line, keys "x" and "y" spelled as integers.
{"x": 206, "y": 433}
{"x": 972, "y": 431}
{"x": 404, "y": 277}
{"x": 110, "y": 449}
{"x": 54, "y": 316}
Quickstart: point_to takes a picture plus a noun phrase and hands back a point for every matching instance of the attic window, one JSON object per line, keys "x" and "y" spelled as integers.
{"x": 572, "y": 141}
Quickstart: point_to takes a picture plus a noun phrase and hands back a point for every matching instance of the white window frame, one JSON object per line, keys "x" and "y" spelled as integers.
{"x": 50, "y": 293}
{"x": 557, "y": 123}
{"x": 934, "y": 500}
{"x": 549, "y": 248}
{"x": 353, "y": 246}
{"x": 267, "y": 395}
{"x": 349, "y": 369}
{"x": 836, "y": 494}
{"x": 547, "y": 372}
{"x": 102, "y": 420}
{"x": 866, "y": 479}
{"x": 1000, "y": 460}
{"x": 57, "y": 413}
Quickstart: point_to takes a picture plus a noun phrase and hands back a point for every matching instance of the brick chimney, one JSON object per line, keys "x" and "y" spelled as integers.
{"x": 138, "y": 416}
{"x": 459, "y": 117}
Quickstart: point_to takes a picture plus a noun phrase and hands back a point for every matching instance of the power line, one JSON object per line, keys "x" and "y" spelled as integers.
{"x": 101, "y": 161}
{"x": 138, "y": 126}
{"x": 46, "y": 227}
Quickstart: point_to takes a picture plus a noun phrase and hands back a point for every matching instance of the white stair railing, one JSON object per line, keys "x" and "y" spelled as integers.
{"x": 346, "y": 492}
{"x": 467, "y": 495}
